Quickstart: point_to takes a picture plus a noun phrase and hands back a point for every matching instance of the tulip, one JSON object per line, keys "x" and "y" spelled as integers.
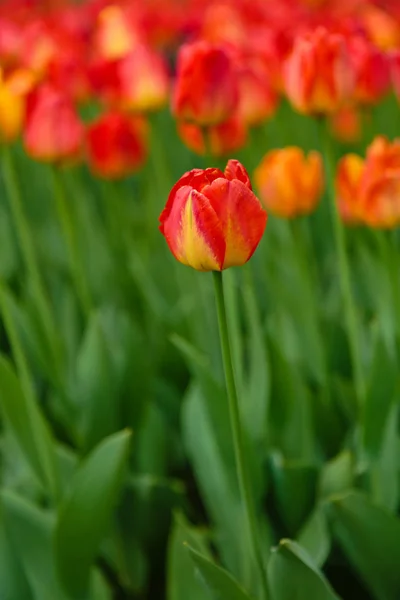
{"x": 138, "y": 82}
{"x": 115, "y": 33}
{"x": 12, "y": 106}
{"x": 257, "y": 98}
{"x": 289, "y": 183}
{"x": 348, "y": 178}
{"x": 221, "y": 139}
{"x": 319, "y": 75}
{"x": 372, "y": 72}
{"x": 382, "y": 28}
{"x": 346, "y": 125}
{"x": 213, "y": 220}
{"x": 369, "y": 190}
{"x": 206, "y": 89}
{"x": 53, "y": 131}
{"x": 115, "y": 145}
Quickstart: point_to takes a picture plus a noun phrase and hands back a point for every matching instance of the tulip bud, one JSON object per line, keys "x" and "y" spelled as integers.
{"x": 290, "y": 184}
{"x": 53, "y": 131}
{"x": 212, "y": 220}
{"x": 206, "y": 90}
{"x": 221, "y": 140}
{"x": 319, "y": 75}
{"x": 115, "y": 145}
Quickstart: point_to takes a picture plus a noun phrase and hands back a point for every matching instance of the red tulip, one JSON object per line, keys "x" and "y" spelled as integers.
{"x": 116, "y": 145}
{"x": 213, "y": 220}
{"x": 206, "y": 89}
{"x": 53, "y": 131}
{"x": 319, "y": 75}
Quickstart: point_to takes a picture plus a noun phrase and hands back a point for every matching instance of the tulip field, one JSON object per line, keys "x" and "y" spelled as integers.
{"x": 199, "y": 300}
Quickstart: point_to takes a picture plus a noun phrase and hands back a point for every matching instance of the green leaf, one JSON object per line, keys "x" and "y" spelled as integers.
{"x": 13, "y": 583}
{"x": 337, "y": 475}
{"x": 380, "y": 396}
{"x": 218, "y": 582}
{"x": 30, "y": 531}
{"x": 370, "y": 537}
{"x": 96, "y": 387}
{"x": 208, "y": 440}
{"x": 182, "y": 580}
{"x": 294, "y": 485}
{"x": 293, "y": 576}
{"x": 314, "y": 537}
{"x": 29, "y": 427}
{"x": 85, "y": 516}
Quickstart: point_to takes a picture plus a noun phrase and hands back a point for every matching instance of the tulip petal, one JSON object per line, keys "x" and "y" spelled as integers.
{"x": 193, "y": 231}
{"x": 242, "y": 218}
{"x": 235, "y": 170}
{"x": 197, "y": 179}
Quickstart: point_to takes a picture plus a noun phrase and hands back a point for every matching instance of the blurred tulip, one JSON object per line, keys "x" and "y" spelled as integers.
{"x": 116, "y": 145}
{"x": 395, "y": 72}
{"x": 382, "y": 28}
{"x": 348, "y": 177}
{"x": 346, "y": 125}
{"x": 319, "y": 75}
{"x": 12, "y": 107}
{"x": 53, "y": 131}
{"x": 115, "y": 34}
{"x": 139, "y": 82}
{"x": 206, "y": 88}
{"x": 212, "y": 220}
{"x": 368, "y": 191}
{"x": 222, "y": 139}
{"x": 257, "y": 98}
{"x": 372, "y": 70}
{"x": 290, "y": 184}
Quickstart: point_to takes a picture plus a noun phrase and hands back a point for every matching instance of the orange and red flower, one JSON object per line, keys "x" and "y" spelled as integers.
{"x": 213, "y": 220}
{"x": 368, "y": 191}
{"x": 319, "y": 74}
{"x": 222, "y": 139}
{"x": 206, "y": 89}
{"x": 116, "y": 145}
{"x": 290, "y": 184}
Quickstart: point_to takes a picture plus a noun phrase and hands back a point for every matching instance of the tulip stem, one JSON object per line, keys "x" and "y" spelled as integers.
{"x": 29, "y": 257}
{"x": 237, "y": 431}
{"x": 344, "y": 269}
{"x": 71, "y": 241}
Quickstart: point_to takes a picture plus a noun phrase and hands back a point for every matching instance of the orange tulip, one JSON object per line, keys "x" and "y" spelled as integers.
{"x": 116, "y": 145}
{"x": 206, "y": 90}
{"x": 221, "y": 140}
{"x": 368, "y": 191}
{"x": 53, "y": 131}
{"x": 382, "y": 28}
{"x": 319, "y": 75}
{"x": 346, "y": 125}
{"x": 290, "y": 184}
{"x": 213, "y": 220}
{"x": 348, "y": 178}
{"x": 12, "y": 107}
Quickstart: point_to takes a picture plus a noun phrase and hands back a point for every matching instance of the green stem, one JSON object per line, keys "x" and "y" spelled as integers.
{"x": 69, "y": 232}
{"x": 29, "y": 257}
{"x": 237, "y": 432}
{"x": 344, "y": 270}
